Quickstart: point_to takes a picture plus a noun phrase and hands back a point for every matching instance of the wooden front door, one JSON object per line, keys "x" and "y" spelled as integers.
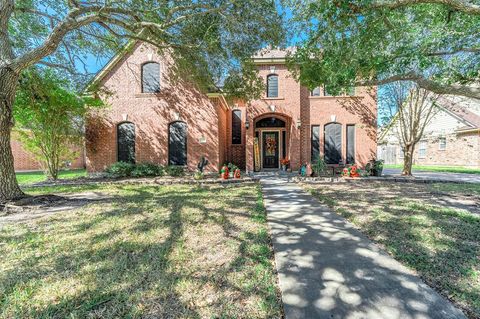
{"x": 270, "y": 147}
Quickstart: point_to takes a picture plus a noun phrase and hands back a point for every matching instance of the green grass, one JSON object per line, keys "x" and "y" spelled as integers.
{"x": 463, "y": 189}
{"x": 421, "y": 228}
{"x": 35, "y": 177}
{"x": 150, "y": 251}
{"x": 445, "y": 169}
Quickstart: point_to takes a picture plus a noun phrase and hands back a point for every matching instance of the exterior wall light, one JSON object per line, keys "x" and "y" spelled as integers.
{"x": 299, "y": 123}
{"x": 247, "y": 122}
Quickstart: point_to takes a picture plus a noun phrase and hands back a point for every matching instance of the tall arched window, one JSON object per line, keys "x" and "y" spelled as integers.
{"x": 151, "y": 77}
{"x": 126, "y": 142}
{"x": 333, "y": 143}
{"x": 272, "y": 85}
{"x": 177, "y": 143}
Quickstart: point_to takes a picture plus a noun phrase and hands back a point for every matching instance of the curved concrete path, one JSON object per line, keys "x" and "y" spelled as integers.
{"x": 328, "y": 269}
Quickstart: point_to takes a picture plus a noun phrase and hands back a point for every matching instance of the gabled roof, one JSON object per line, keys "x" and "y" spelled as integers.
{"x": 109, "y": 66}
{"x": 459, "y": 108}
{"x": 270, "y": 55}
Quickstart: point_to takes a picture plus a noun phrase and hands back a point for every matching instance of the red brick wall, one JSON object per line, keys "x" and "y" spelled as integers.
{"x": 24, "y": 161}
{"x": 295, "y": 105}
{"x": 152, "y": 114}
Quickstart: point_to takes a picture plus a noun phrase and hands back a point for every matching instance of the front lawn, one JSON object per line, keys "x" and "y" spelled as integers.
{"x": 38, "y": 176}
{"x": 146, "y": 251}
{"x": 434, "y": 229}
{"x": 443, "y": 169}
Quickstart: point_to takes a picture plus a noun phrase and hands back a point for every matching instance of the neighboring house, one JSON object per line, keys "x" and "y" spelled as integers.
{"x": 451, "y": 138}
{"x": 156, "y": 117}
{"x": 24, "y": 161}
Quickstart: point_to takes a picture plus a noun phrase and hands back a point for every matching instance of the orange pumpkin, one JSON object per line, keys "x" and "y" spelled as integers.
{"x": 237, "y": 174}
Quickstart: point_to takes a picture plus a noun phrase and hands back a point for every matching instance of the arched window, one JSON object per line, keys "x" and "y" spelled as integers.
{"x": 177, "y": 143}
{"x": 270, "y": 122}
{"x": 126, "y": 142}
{"x": 333, "y": 143}
{"x": 151, "y": 77}
{"x": 272, "y": 85}
{"x": 236, "y": 127}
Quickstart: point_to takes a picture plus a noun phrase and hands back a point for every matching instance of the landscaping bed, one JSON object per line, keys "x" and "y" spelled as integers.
{"x": 173, "y": 251}
{"x": 432, "y": 228}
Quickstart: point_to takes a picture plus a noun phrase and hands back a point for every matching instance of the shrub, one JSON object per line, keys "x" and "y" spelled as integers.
{"x": 148, "y": 169}
{"x": 120, "y": 169}
{"x": 319, "y": 167}
{"x": 175, "y": 171}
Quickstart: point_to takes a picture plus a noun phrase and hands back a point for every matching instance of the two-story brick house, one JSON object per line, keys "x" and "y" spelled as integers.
{"x": 154, "y": 116}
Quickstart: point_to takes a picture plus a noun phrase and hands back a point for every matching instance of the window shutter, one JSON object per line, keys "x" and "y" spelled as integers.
{"x": 151, "y": 77}
{"x": 126, "y": 142}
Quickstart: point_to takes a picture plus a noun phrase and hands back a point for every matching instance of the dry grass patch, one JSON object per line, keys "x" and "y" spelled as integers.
{"x": 154, "y": 252}
{"x": 434, "y": 229}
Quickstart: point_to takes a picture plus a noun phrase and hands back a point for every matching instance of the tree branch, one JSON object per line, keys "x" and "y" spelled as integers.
{"x": 460, "y": 5}
{"x": 427, "y": 84}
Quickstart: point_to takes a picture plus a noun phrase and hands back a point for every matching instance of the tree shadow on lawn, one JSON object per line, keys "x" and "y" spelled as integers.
{"x": 442, "y": 244}
{"x": 131, "y": 259}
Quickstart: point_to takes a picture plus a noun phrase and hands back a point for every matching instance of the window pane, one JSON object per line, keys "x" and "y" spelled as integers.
{"x": 315, "y": 142}
{"x": 442, "y": 143}
{"x": 422, "y": 150}
{"x": 151, "y": 77}
{"x": 316, "y": 91}
{"x": 350, "y": 144}
{"x": 236, "y": 127}
{"x": 333, "y": 143}
{"x": 126, "y": 142}
{"x": 177, "y": 144}
{"x": 272, "y": 86}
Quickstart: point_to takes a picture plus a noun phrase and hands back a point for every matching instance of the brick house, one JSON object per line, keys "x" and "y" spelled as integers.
{"x": 451, "y": 138}
{"x": 154, "y": 116}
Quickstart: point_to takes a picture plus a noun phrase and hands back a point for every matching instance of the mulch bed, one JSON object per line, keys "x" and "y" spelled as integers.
{"x": 144, "y": 180}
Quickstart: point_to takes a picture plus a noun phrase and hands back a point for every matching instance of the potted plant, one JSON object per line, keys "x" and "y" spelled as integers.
{"x": 231, "y": 169}
{"x": 374, "y": 167}
{"x": 285, "y": 162}
{"x": 319, "y": 167}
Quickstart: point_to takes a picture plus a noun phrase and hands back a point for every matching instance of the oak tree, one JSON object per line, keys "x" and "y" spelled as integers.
{"x": 434, "y": 43}
{"x": 207, "y": 36}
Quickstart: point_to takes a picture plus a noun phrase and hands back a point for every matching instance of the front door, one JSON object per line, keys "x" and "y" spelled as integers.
{"x": 270, "y": 149}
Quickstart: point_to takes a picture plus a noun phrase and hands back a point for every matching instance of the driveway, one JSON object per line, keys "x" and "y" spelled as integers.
{"x": 328, "y": 269}
{"x": 453, "y": 177}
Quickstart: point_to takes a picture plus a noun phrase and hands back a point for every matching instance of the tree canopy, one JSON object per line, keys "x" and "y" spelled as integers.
{"x": 211, "y": 38}
{"x": 434, "y": 43}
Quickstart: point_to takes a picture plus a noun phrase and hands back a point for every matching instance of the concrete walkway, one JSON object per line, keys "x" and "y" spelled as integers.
{"x": 443, "y": 176}
{"x": 328, "y": 269}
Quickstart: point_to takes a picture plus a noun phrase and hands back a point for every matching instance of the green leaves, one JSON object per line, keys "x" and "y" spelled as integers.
{"x": 354, "y": 41}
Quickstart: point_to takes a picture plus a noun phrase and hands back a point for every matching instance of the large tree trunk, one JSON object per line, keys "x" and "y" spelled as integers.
{"x": 408, "y": 159}
{"x": 9, "y": 188}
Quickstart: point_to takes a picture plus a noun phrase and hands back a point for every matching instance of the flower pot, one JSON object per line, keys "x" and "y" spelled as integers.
{"x": 284, "y": 168}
